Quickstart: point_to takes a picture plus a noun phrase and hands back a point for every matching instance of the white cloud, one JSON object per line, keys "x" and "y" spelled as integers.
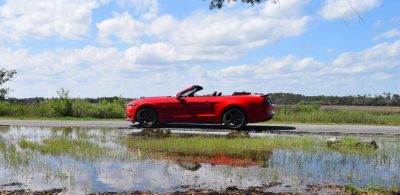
{"x": 147, "y": 9}
{"x": 104, "y": 71}
{"x": 347, "y": 9}
{"x": 358, "y": 70}
{"x": 382, "y": 56}
{"x": 381, "y": 76}
{"x": 207, "y": 36}
{"x": 122, "y": 26}
{"x": 111, "y": 71}
{"x": 162, "y": 49}
{"x": 69, "y": 19}
{"x": 393, "y": 33}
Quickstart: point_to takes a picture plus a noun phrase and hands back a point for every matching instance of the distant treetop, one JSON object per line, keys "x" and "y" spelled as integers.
{"x": 5, "y": 75}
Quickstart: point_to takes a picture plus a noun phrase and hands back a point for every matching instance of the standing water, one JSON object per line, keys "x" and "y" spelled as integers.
{"x": 81, "y": 161}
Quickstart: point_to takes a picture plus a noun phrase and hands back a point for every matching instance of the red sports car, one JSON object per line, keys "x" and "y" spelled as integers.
{"x": 235, "y": 110}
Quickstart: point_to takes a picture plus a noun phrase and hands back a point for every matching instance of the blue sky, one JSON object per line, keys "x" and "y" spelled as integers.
{"x": 138, "y": 48}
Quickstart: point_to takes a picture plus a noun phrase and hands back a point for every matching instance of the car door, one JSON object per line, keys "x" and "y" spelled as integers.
{"x": 175, "y": 109}
{"x": 202, "y": 108}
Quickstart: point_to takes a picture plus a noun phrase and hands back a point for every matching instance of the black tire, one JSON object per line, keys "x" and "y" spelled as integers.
{"x": 234, "y": 118}
{"x": 147, "y": 117}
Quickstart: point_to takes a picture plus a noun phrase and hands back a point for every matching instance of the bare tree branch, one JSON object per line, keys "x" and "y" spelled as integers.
{"x": 350, "y": 10}
{"x": 220, "y": 3}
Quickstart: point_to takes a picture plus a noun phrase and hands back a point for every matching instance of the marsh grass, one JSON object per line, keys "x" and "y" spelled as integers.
{"x": 13, "y": 157}
{"x": 64, "y": 108}
{"x": 350, "y": 145}
{"x": 61, "y": 145}
{"x": 255, "y": 148}
{"x": 211, "y": 146}
{"x": 313, "y": 114}
{"x": 2, "y": 145}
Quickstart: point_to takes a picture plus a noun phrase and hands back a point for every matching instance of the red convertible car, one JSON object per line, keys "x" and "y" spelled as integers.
{"x": 235, "y": 110}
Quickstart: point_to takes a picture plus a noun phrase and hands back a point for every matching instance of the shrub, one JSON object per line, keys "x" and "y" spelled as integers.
{"x": 62, "y": 106}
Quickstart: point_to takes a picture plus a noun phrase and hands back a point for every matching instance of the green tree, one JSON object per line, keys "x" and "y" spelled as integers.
{"x": 5, "y": 75}
{"x": 220, "y": 3}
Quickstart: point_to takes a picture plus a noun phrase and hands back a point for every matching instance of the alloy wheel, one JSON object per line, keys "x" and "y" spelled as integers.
{"x": 234, "y": 118}
{"x": 147, "y": 117}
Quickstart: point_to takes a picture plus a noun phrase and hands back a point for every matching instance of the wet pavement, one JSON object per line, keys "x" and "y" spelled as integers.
{"x": 267, "y": 128}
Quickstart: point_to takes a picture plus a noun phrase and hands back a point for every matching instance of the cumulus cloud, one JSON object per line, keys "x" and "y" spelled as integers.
{"x": 163, "y": 53}
{"x": 146, "y": 9}
{"x": 122, "y": 26}
{"x": 218, "y": 35}
{"x": 393, "y": 33}
{"x": 68, "y": 19}
{"x": 347, "y": 9}
{"x": 349, "y": 70}
{"x": 122, "y": 72}
{"x": 116, "y": 71}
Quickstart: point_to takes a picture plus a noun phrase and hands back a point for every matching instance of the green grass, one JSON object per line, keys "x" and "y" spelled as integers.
{"x": 3, "y": 145}
{"x": 61, "y": 118}
{"x": 64, "y": 107}
{"x": 240, "y": 147}
{"x": 60, "y": 145}
{"x": 315, "y": 115}
{"x": 12, "y": 156}
{"x": 79, "y": 109}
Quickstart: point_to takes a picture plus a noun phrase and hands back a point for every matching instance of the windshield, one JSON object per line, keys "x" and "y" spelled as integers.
{"x": 189, "y": 93}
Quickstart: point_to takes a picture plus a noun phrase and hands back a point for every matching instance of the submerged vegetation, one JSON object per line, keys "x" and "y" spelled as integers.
{"x": 254, "y": 148}
{"x": 12, "y": 156}
{"x": 60, "y": 145}
{"x": 74, "y": 158}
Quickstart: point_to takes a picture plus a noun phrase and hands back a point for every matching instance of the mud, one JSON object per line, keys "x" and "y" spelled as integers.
{"x": 233, "y": 190}
{"x": 31, "y": 192}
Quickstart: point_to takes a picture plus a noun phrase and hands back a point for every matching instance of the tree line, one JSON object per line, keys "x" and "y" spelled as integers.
{"x": 385, "y": 99}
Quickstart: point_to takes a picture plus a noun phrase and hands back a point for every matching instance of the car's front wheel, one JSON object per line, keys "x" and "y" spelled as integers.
{"x": 147, "y": 117}
{"x": 234, "y": 118}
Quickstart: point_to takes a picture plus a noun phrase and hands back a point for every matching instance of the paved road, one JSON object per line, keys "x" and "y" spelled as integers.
{"x": 265, "y": 128}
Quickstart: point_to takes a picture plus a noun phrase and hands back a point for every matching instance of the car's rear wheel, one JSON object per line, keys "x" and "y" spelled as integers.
{"x": 234, "y": 118}
{"x": 147, "y": 117}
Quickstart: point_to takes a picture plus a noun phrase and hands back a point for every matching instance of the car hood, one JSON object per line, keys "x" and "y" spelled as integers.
{"x": 155, "y": 97}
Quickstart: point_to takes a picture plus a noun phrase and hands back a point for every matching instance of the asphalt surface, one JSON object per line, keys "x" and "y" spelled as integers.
{"x": 255, "y": 128}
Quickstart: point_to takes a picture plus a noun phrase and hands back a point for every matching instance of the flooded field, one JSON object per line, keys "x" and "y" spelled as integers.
{"x": 81, "y": 161}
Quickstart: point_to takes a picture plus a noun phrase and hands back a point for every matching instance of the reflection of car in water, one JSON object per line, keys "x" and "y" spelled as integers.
{"x": 234, "y": 110}
{"x": 193, "y": 164}
{"x": 189, "y": 165}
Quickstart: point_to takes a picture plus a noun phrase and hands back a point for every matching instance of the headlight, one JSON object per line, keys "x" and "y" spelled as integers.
{"x": 131, "y": 105}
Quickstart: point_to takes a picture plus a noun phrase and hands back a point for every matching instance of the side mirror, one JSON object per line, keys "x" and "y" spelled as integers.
{"x": 178, "y": 96}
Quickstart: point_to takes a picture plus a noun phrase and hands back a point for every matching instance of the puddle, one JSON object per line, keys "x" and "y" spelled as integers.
{"x": 100, "y": 160}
